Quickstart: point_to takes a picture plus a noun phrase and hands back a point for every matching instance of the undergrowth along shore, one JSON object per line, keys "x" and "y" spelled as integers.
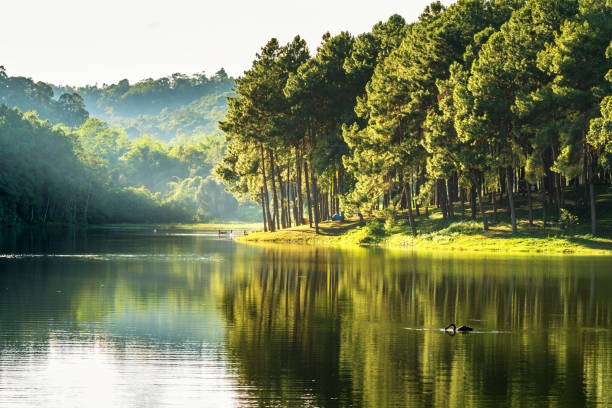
{"x": 434, "y": 233}
{"x": 438, "y": 234}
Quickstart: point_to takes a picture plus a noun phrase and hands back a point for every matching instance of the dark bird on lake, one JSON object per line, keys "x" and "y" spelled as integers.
{"x": 459, "y": 329}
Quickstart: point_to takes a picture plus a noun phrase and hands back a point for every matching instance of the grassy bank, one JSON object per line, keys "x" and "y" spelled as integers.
{"x": 460, "y": 236}
{"x": 435, "y": 233}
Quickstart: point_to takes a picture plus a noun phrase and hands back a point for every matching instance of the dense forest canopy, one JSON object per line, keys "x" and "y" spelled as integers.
{"x": 95, "y": 174}
{"x": 477, "y": 102}
{"x": 59, "y": 165}
{"x": 150, "y": 96}
{"x": 200, "y": 117}
{"x": 174, "y": 108}
{"x": 28, "y": 95}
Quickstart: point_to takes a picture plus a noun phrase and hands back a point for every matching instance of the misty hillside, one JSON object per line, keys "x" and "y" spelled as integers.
{"x": 178, "y": 107}
{"x": 63, "y": 106}
{"x": 181, "y": 124}
{"x": 143, "y": 153}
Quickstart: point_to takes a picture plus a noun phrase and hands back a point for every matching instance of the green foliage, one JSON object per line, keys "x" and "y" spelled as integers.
{"x": 174, "y": 108}
{"x": 95, "y": 174}
{"x": 45, "y": 176}
{"x": 600, "y": 133}
{"x": 151, "y": 96}
{"x": 567, "y": 220}
{"x": 463, "y": 228}
{"x": 28, "y": 95}
{"x": 179, "y": 125}
{"x": 370, "y": 233}
{"x": 456, "y": 104}
{"x": 389, "y": 216}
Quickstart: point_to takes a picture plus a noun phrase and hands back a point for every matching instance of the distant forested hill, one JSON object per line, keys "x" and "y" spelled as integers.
{"x": 182, "y": 124}
{"x": 145, "y": 155}
{"x": 28, "y": 95}
{"x": 176, "y": 107}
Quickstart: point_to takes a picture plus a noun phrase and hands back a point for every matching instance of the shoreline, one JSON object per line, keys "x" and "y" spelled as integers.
{"x": 460, "y": 236}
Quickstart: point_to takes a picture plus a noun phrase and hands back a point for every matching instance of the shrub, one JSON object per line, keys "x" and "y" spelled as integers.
{"x": 370, "y": 233}
{"x": 374, "y": 228}
{"x": 453, "y": 231}
{"x": 390, "y": 216}
{"x": 567, "y": 221}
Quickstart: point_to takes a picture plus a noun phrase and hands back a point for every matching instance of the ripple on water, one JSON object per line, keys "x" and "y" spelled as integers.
{"x": 471, "y": 332}
{"x": 119, "y": 257}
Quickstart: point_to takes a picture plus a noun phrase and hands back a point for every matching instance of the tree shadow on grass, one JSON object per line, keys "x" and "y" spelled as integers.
{"x": 335, "y": 228}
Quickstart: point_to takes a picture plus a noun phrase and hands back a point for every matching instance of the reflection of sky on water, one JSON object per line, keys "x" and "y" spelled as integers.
{"x": 131, "y": 357}
{"x": 94, "y": 373}
{"x": 168, "y": 325}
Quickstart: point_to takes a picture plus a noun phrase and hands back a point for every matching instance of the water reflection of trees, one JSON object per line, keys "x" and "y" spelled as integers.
{"x": 112, "y": 293}
{"x": 329, "y": 327}
{"x": 284, "y": 330}
{"x": 334, "y": 323}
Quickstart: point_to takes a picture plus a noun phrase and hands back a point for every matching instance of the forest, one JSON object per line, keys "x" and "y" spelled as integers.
{"x": 474, "y": 110}
{"x": 175, "y": 107}
{"x": 59, "y": 165}
{"x": 474, "y": 106}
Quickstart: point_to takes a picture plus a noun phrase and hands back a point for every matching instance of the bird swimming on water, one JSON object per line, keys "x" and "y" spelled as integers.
{"x": 459, "y": 329}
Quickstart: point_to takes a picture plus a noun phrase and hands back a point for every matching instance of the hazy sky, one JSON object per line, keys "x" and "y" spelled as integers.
{"x": 92, "y": 41}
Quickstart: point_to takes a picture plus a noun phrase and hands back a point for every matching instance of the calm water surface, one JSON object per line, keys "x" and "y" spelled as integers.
{"x": 134, "y": 318}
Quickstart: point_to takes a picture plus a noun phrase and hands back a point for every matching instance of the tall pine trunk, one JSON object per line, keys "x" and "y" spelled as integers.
{"x": 288, "y": 194}
{"x": 339, "y": 184}
{"x": 326, "y": 202}
{"x": 265, "y": 189}
{"x": 410, "y": 216}
{"x": 473, "y": 201}
{"x": 592, "y": 199}
{"x": 283, "y": 201}
{"x": 296, "y": 213}
{"x": 485, "y": 224}
{"x": 585, "y": 178}
{"x": 448, "y": 195}
{"x": 462, "y": 198}
{"x": 510, "y": 198}
{"x": 298, "y": 171}
{"x": 558, "y": 193}
{"x": 417, "y": 191}
{"x": 543, "y": 197}
{"x": 263, "y": 210}
{"x": 530, "y": 205}
{"x": 309, "y": 201}
{"x": 494, "y": 201}
{"x": 332, "y": 199}
{"x": 274, "y": 195}
{"x": 315, "y": 204}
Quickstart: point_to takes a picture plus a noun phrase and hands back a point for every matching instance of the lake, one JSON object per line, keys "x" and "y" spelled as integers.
{"x": 135, "y": 318}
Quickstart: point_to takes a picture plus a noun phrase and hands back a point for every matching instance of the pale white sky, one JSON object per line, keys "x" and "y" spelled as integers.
{"x": 81, "y": 42}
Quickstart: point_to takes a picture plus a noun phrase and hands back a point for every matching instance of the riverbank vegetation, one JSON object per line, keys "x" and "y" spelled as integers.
{"x": 484, "y": 107}
{"x": 392, "y": 229}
